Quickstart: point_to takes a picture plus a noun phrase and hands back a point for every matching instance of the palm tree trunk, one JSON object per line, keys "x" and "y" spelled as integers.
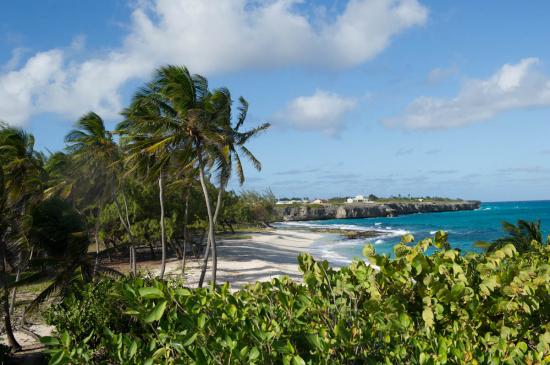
{"x": 213, "y": 239}
{"x": 12, "y": 342}
{"x": 126, "y": 225}
{"x": 14, "y": 291}
{"x": 162, "y": 238}
{"x": 96, "y": 234}
{"x": 185, "y": 218}
{"x": 24, "y": 317}
{"x": 219, "y": 202}
{"x": 132, "y": 246}
{"x": 210, "y": 228}
{"x": 17, "y": 276}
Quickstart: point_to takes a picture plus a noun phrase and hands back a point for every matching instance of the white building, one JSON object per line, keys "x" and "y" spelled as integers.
{"x": 357, "y": 199}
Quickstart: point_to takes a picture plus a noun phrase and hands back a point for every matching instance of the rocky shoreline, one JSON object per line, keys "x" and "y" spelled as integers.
{"x": 350, "y": 234}
{"x": 369, "y": 210}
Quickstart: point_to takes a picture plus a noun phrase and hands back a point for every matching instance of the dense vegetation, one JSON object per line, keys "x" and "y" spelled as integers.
{"x": 414, "y": 309}
{"x": 159, "y": 180}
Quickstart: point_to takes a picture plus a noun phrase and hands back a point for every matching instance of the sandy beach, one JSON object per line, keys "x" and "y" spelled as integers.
{"x": 261, "y": 257}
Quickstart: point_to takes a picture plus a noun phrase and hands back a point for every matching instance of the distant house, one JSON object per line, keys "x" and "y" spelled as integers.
{"x": 317, "y": 201}
{"x": 357, "y": 199}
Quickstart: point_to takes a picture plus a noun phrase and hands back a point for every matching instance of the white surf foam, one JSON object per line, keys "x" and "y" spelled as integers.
{"x": 330, "y": 250}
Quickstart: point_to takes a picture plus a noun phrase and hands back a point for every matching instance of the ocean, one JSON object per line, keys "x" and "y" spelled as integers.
{"x": 464, "y": 228}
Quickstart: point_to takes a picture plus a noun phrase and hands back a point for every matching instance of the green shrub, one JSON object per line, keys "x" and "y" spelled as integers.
{"x": 414, "y": 309}
{"x": 90, "y": 309}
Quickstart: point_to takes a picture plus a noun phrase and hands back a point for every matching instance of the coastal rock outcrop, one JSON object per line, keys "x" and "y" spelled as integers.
{"x": 369, "y": 210}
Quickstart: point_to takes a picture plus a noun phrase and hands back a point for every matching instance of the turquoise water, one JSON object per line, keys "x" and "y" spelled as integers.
{"x": 464, "y": 227}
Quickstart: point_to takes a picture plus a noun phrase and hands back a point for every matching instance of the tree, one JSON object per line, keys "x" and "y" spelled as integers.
{"x": 227, "y": 155}
{"x": 520, "y": 235}
{"x": 58, "y": 231}
{"x": 151, "y": 137}
{"x": 170, "y": 117}
{"x": 183, "y": 117}
{"x": 97, "y": 156}
{"x": 150, "y": 162}
{"x": 20, "y": 185}
{"x": 7, "y": 222}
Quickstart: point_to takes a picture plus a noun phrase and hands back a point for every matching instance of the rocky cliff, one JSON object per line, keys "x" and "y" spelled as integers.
{"x": 368, "y": 210}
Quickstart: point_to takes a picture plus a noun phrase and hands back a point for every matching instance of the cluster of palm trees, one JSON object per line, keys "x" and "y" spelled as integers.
{"x": 175, "y": 132}
{"x": 176, "y": 126}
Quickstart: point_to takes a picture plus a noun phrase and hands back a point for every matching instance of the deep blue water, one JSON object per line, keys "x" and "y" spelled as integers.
{"x": 464, "y": 227}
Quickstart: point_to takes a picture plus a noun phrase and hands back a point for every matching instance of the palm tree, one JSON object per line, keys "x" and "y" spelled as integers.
{"x": 520, "y": 235}
{"x": 178, "y": 112}
{"x": 148, "y": 155}
{"x": 233, "y": 142}
{"x": 166, "y": 119}
{"x": 7, "y": 222}
{"x": 94, "y": 150}
{"x": 20, "y": 185}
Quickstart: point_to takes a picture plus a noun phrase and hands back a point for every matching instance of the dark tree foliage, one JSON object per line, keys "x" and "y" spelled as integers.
{"x": 56, "y": 226}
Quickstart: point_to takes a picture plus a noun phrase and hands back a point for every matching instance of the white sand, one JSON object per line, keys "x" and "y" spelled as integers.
{"x": 260, "y": 258}
{"x": 25, "y": 339}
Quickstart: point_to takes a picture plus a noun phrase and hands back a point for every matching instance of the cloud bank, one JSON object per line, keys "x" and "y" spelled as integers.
{"x": 207, "y": 36}
{"x": 513, "y": 86}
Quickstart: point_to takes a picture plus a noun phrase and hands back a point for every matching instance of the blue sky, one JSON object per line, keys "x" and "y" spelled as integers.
{"x": 365, "y": 96}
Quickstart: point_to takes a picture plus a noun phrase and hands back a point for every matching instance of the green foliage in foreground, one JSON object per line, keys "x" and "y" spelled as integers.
{"x": 415, "y": 309}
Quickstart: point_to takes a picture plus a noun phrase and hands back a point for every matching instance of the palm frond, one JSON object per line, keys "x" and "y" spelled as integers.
{"x": 243, "y": 111}
{"x": 257, "y": 164}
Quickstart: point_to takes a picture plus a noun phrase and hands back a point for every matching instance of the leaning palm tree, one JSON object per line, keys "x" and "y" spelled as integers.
{"x": 97, "y": 155}
{"x": 21, "y": 176}
{"x": 520, "y": 235}
{"x": 168, "y": 118}
{"x": 183, "y": 115}
{"x": 228, "y": 157}
{"x": 7, "y": 221}
{"x": 148, "y": 156}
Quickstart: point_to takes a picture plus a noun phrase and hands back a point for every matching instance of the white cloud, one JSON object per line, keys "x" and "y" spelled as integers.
{"x": 208, "y": 37}
{"x": 322, "y": 111}
{"x": 513, "y": 86}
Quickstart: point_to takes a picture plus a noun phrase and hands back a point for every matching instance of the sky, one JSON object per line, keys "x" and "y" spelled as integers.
{"x": 427, "y": 98}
